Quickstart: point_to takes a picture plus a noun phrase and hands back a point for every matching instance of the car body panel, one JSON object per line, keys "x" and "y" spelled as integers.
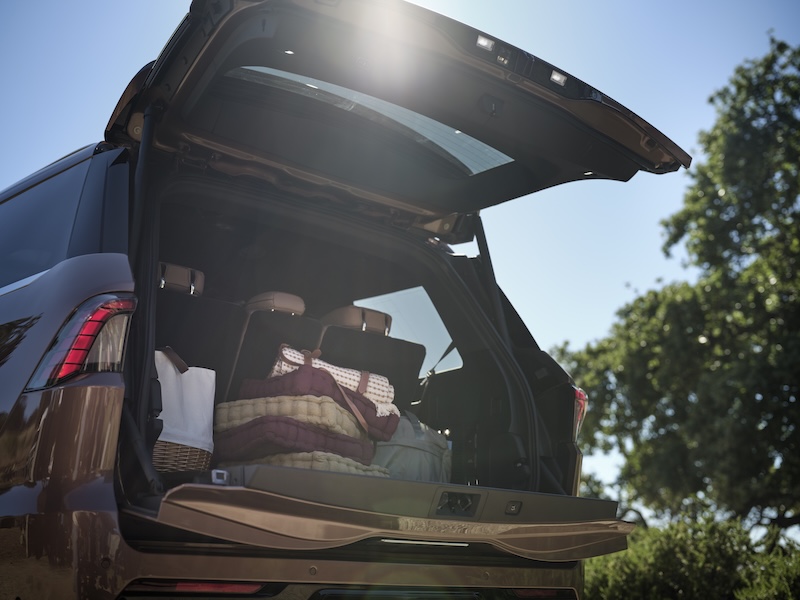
{"x": 35, "y": 312}
{"x": 59, "y": 510}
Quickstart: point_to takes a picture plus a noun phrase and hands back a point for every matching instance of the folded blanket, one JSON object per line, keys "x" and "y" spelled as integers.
{"x": 309, "y": 381}
{"x": 275, "y": 435}
{"x": 318, "y": 461}
{"x": 320, "y": 411}
{"x": 375, "y": 388}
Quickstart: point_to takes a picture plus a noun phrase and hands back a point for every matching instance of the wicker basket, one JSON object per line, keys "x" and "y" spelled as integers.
{"x": 168, "y": 456}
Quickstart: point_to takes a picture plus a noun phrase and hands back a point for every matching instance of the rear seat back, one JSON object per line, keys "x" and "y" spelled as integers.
{"x": 271, "y": 319}
{"x": 357, "y": 338}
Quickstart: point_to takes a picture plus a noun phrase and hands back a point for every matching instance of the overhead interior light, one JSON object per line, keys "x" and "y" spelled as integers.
{"x": 289, "y": 52}
{"x": 558, "y": 78}
{"x": 485, "y": 43}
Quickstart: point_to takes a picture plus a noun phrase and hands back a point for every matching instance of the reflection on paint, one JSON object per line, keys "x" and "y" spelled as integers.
{"x": 12, "y": 334}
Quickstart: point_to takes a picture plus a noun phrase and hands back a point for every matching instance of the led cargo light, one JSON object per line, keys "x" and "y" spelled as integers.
{"x": 558, "y": 78}
{"x": 485, "y": 43}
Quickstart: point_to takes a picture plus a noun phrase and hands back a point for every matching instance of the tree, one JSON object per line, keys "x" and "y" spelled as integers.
{"x": 694, "y": 560}
{"x": 744, "y": 201}
{"x": 697, "y": 384}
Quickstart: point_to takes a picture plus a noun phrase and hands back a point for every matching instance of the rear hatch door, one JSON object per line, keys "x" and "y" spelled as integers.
{"x": 381, "y": 106}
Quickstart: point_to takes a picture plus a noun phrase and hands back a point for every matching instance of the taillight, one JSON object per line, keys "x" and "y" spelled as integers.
{"x": 581, "y": 404}
{"x": 91, "y": 341}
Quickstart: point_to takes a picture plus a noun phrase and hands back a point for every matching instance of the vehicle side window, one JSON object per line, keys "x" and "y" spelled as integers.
{"x": 36, "y": 224}
{"x": 415, "y": 319}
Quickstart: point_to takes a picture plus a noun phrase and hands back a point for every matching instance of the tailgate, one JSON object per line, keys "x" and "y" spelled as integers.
{"x": 289, "y": 509}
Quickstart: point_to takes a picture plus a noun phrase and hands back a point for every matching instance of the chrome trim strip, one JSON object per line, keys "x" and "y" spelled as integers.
{"x": 13, "y": 287}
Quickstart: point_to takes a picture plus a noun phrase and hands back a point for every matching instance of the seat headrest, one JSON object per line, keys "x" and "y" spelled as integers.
{"x": 181, "y": 279}
{"x": 276, "y": 302}
{"x": 357, "y": 317}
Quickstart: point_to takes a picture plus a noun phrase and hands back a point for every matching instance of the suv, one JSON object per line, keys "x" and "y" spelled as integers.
{"x": 293, "y": 172}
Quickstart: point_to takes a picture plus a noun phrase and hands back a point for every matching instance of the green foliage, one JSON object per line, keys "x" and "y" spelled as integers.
{"x": 744, "y": 201}
{"x": 694, "y": 560}
{"x": 697, "y": 384}
{"x": 773, "y": 575}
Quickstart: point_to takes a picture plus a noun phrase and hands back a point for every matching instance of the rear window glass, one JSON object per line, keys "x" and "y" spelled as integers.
{"x": 415, "y": 319}
{"x": 466, "y": 153}
{"x": 36, "y": 224}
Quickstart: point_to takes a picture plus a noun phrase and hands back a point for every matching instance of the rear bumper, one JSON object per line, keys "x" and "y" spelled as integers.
{"x": 82, "y": 554}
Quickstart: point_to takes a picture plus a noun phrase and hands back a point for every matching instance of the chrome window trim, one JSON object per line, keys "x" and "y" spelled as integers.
{"x": 13, "y": 287}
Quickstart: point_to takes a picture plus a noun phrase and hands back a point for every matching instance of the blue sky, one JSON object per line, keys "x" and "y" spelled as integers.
{"x": 568, "y": 257}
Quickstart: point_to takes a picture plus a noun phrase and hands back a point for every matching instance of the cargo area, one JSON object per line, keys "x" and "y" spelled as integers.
{"x": 264, "y": 279}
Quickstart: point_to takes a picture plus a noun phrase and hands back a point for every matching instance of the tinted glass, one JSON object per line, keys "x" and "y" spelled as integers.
{"x": 35, "y": 225}
{"x": 415, "y": 319}
{"x": 468, "y": 154}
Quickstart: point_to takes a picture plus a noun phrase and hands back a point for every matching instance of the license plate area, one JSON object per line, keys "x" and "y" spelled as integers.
{"x": 457, "y": 504}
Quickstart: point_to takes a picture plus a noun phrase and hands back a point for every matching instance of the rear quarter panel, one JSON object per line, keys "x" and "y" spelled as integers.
{"x": 57, "y": 446}
{"x": 30, "y": 316}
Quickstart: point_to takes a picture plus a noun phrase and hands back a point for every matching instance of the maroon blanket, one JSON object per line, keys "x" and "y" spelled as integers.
{"x": 275, "y": 435}
{"x": 316, "y": 382}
